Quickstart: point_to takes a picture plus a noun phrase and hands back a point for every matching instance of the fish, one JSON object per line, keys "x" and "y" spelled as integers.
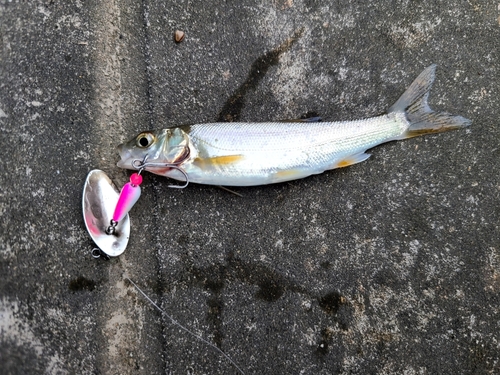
{"x": 260, "y": 153}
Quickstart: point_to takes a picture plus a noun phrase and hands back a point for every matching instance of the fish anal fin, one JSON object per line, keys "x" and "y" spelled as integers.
{"x": 350, "y": 160}
{"x": 289, "y": 175}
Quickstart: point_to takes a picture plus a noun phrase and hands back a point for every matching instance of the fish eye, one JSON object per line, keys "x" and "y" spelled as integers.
{"x": 145, "y": 140}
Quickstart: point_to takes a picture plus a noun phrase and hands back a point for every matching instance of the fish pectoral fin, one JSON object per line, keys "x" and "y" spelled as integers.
{"x": 350, "y": 160}
{"x": 217, "y": 161}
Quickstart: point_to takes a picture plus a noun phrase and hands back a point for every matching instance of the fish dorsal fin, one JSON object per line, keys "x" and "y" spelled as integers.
{"x": 310, "y": 119}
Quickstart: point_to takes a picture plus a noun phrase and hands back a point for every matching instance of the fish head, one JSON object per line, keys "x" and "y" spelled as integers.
{"x": 167, "y": 146}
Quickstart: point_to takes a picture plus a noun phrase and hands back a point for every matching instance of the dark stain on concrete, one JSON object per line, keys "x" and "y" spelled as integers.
{"x": 81, "y": 283}
{"x": 271, "y": 289}
{"x": 272, "y": 285}
{"x": 235, "y": 104}
{"x": 327, "y": 335}
{"x": 215, "y": 307}
{"x": 331, "y": 302}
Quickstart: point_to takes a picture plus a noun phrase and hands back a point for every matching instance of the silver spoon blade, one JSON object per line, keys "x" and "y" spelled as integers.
{"x": 99, "y": 200}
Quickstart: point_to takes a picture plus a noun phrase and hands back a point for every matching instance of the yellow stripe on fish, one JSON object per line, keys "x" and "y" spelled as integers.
{"x": 217, "y": 161}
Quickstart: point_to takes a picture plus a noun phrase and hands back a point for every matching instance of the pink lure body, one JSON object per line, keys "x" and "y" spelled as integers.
{"x": 129, "y": 195}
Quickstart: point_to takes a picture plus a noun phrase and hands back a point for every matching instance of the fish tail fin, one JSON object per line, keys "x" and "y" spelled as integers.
{"x": 422, "y": 119}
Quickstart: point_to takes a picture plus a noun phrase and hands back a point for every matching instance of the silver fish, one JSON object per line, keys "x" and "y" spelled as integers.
{"x": 247, "y": 154}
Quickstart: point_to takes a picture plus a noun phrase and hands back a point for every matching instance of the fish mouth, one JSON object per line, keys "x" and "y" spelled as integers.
{"x": 125, "y": 156}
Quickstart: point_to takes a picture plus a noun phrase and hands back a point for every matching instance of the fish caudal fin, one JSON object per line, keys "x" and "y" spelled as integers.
{"x": 423, "y": 120}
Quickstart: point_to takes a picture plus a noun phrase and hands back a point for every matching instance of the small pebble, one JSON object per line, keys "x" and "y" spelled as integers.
{"x": 179, "y": 36}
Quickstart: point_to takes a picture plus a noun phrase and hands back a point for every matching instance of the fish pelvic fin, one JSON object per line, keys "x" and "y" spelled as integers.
{"x": 350, "y": 160}
{"x": 423, "y": 120}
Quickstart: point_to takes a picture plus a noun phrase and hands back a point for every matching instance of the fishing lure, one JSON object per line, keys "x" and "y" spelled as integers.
{"x": 105, "y": 211}
{"x": 246, "y": 154}
{"x": 99, "y": 203}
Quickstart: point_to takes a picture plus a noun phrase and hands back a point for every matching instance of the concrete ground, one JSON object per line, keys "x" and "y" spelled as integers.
{"x": 391, "y": 266}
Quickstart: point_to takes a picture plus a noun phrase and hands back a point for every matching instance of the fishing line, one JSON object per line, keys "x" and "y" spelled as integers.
{"x": 175, "y": 322}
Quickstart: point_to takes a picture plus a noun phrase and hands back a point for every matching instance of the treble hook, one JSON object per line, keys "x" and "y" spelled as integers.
{"x": 140, "y": 165}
